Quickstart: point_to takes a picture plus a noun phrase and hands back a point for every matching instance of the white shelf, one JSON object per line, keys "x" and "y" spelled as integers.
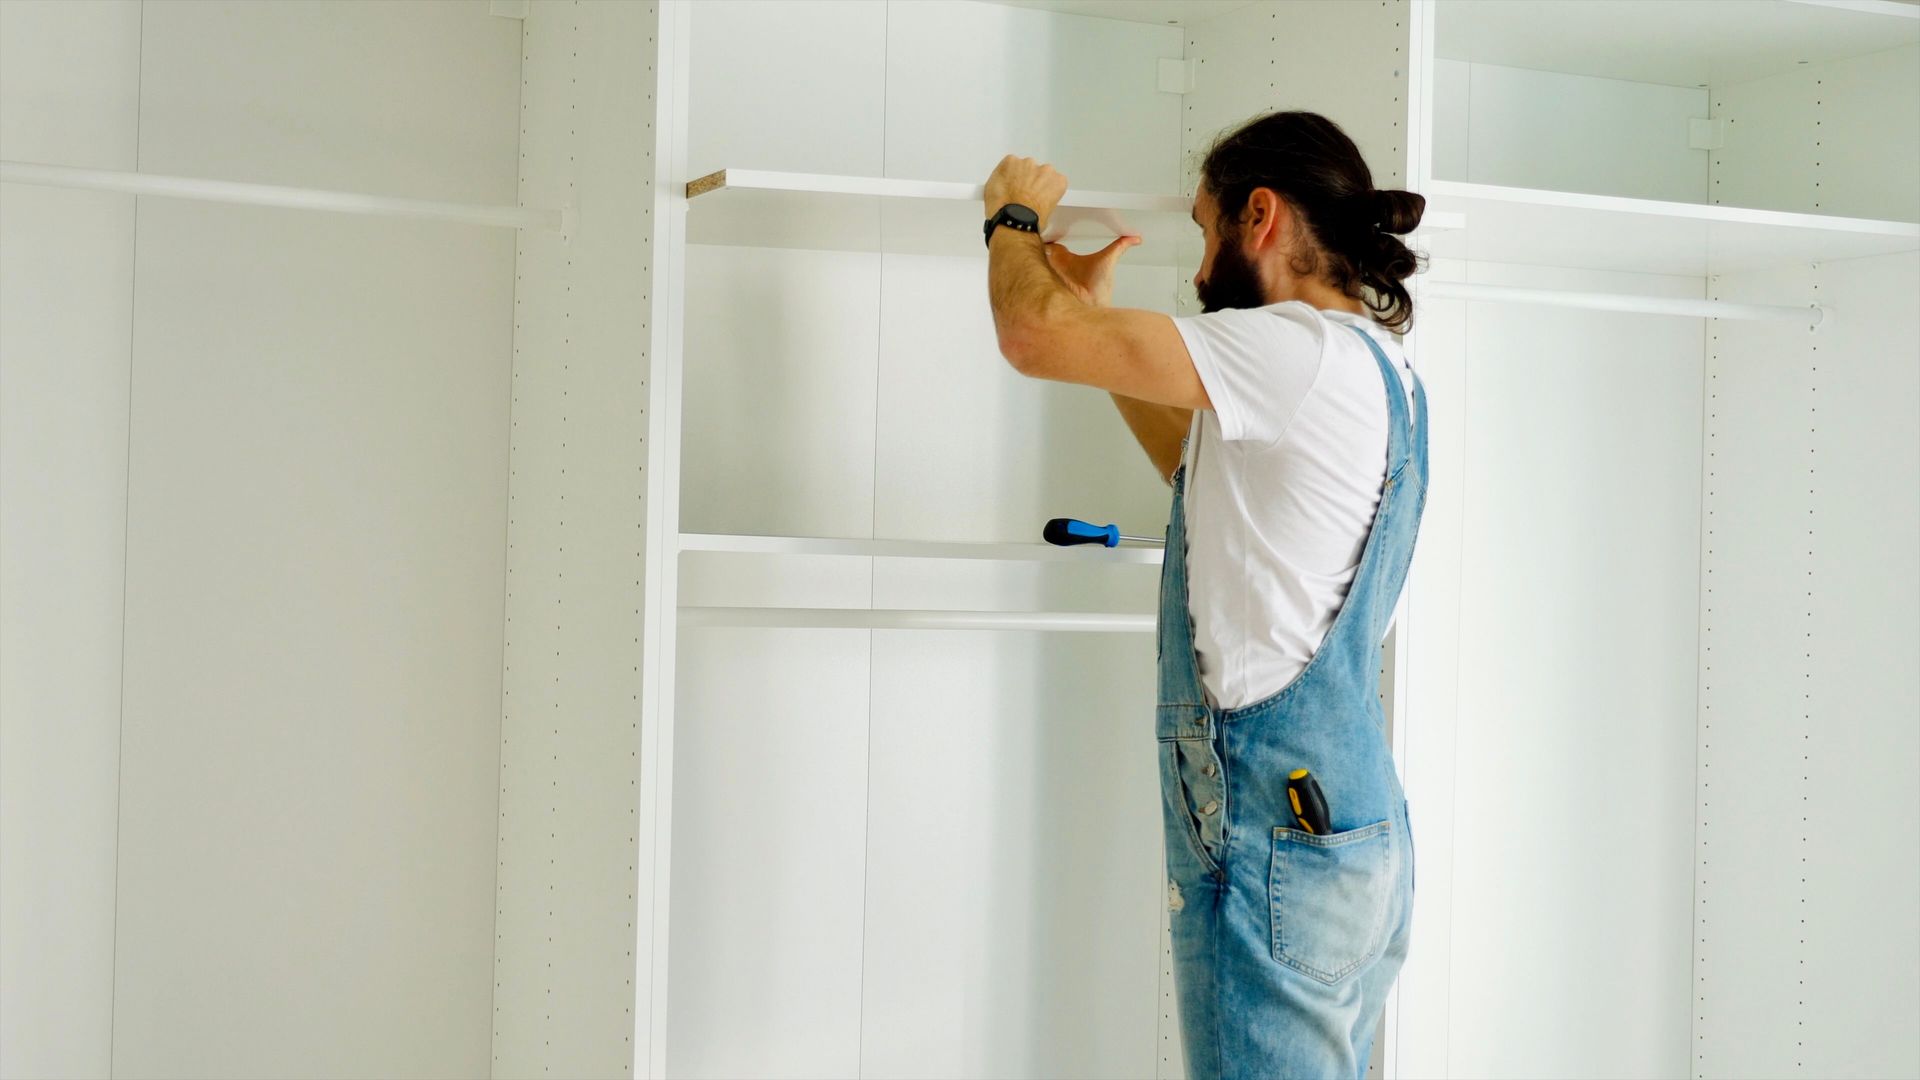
{"x": 1605, "y": 232}
{"x": 919, "y": 549}
{"x": 896, "y": 619}
{"x": 929, "y": 217}
{"x": 1668, "y": 43}
{"x": 293, "y": 198}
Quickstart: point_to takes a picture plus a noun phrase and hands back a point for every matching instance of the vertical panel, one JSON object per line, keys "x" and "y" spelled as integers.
{"x": 1753, "y": 829}
{"x": 1863, "y": 866}
{"x": 1435, "y": 593}
{"x": 69, "y": 85}
{"x": 1357, "y": 72}
{"x": 315, "y": 549}
{"x": 1807, "y": 946}
{"x": 569, "y": 749}
{"x": 1576, "y": 686}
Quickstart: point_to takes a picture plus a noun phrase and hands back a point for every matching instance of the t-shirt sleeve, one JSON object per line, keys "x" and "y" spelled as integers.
{"x": 1258, "y": 365}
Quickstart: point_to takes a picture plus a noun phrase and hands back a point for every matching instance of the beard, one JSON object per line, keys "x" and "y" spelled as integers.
{"x": 1234, "y": 283}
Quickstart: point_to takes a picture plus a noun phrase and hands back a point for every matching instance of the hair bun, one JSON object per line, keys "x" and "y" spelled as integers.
{"x": 1396, "y": 211}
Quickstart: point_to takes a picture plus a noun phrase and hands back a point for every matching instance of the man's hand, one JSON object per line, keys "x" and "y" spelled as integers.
{"x": 1089, "y": 277}
{"x": 1027, "y": 182}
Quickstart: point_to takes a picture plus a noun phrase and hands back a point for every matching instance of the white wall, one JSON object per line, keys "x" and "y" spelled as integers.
{"x": 314, "y": 502}
{"x": 66, "y": 281}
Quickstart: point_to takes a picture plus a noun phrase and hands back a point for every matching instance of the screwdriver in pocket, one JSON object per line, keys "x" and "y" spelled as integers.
{"x": 1064, "y": 532}
{"x": 1309, "y": 805}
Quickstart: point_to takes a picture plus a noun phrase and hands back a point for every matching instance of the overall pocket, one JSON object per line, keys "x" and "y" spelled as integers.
{"x": 1329, "y": 896}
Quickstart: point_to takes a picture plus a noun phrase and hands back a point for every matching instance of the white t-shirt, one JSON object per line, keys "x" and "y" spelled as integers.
{"x": 1283, "y": 477}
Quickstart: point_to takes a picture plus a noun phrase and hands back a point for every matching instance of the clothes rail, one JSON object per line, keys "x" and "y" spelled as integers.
{"x": 892, "y": 619}
{"x": 1810, "y": 315}
{"x": 226, "y": 191}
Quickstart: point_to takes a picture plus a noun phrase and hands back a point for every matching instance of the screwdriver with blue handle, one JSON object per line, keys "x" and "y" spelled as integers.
{"x": 1065, "y": 532}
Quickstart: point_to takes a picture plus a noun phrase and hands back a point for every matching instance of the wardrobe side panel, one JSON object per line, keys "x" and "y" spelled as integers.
{"x": 1435, "y": 593}
{"x": 69, "y": 85}
{"x": 1863, "y": 941}
{"x": 1577, "y": 628}
{"x": 568, "y": 822}
{"x": 1807, "y": 945}
{"x": 1755, "y": 723}
{"x": 316, "y": 548}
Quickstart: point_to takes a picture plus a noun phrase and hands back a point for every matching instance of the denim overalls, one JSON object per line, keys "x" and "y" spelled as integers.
{"x": 1285, "y": 943}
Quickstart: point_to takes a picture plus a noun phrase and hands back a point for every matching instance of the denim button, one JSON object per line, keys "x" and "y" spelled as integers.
{"x": 1208, "y": 809}
{"x": 1209, "y": 770}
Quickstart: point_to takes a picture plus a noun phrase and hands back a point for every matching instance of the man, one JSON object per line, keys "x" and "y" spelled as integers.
{"x": 1294, "y": 437}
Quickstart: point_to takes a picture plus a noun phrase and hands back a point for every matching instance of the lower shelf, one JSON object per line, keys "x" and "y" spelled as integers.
{"x": 885, "y": 619}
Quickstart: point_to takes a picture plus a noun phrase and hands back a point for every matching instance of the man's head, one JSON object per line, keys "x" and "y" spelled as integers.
{"x": 1290, "y": 212}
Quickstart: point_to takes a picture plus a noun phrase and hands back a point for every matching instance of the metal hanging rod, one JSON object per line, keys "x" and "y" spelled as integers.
{"x": 226, "y": 191}
{"x": 1810, "y": 316}
{"x": 894, "y": 619}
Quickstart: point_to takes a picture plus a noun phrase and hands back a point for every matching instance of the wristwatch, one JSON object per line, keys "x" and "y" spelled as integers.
{"x": 1013, "y": 216}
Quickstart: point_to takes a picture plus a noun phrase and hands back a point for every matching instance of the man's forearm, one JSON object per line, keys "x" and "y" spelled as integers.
{"x": 1024, "y": 290}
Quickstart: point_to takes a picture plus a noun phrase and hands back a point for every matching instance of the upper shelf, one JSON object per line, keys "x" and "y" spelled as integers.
{"x": 1671, "y": 44}
{"x": 1604, "y": 232}
{"x": 928, "y": 217}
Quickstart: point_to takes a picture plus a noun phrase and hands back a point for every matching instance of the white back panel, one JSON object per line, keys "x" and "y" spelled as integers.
{"x": 771, "y": 786}
{"x": 968, "y": 83}
{"x": 1543, "y": 129}
{"x": 969, "y": 449}
{"x": 564, "y": 941}
{"x": 1836, "y": 138}
{"x": 316, "y": 549}
{"x": 795, "y": 87}
{"x": 1576, "y": 688}
{"x": 69, "y": 86}
{"x": 1807, "y": 941}
{"x": 1013, "y": 883}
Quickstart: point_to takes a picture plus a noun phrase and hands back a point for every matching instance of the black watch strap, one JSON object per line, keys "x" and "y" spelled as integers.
{"x": 1013, "y": 216}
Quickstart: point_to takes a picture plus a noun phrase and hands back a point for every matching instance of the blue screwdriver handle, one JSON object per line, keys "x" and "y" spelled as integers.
{"x": 1064, "y": 532}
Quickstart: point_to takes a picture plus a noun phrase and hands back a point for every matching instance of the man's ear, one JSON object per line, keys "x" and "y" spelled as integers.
{"x": 1266, "y": 218}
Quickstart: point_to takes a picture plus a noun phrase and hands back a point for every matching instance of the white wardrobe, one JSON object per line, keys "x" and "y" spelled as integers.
{"x": 520, "y": 555}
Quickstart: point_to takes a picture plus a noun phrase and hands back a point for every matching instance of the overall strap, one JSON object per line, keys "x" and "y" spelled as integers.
{"x": 1400, "y": 438}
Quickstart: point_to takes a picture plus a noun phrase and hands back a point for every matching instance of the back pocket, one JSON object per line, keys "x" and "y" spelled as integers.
{"x": 1329, "y": 896}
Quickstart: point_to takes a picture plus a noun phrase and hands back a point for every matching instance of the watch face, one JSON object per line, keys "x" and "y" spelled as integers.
{"x": 1022, "y": 214}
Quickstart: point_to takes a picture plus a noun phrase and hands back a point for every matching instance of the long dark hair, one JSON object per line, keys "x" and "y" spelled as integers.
{"x": 1350, "y": 225}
